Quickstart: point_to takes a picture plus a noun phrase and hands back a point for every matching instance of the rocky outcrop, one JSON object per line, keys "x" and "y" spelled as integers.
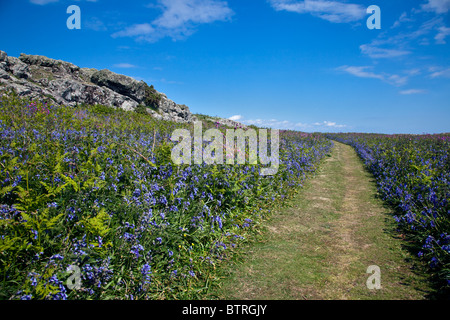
{"x": 121, "y": 84}
{"x": 227, "y": 122}
{"x": 231, "y": 123}
{"x": 65, "y": 83}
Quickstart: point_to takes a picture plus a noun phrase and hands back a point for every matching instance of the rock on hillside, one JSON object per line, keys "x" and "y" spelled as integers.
{"x": 65, "y": 83}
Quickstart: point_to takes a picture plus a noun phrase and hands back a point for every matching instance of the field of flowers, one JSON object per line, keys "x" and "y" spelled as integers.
{"x": 95, "y": 188}
{"x": 413, "y": 175}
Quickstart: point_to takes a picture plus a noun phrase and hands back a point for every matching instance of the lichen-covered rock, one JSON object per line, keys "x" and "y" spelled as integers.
{"x": 18, "y": 68}
{"x": 37, "y": 76}
{"x": 3, "y": 56}
{"x": 174, "y": 110}
{"x": 232, "y": 123}
{"x": 124, "y": 85}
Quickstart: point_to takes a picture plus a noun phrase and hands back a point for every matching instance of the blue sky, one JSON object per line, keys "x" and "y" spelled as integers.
{"x": 287, "y": 64}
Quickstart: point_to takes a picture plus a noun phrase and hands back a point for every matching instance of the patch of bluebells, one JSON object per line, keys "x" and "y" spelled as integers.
{"x": 413, "y": 175}
{"x": 94, "y": 275}
{"x": 163, "y": 218}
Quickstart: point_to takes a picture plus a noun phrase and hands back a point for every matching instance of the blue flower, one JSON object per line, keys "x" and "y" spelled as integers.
{"x": 135, "y": 250}
{"x": 146, "y": 271}
{"x": 52, "y": 205}
{"x": 56, "y": 257}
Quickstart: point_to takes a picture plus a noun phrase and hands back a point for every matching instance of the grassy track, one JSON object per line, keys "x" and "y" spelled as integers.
{"x": 322, "y": 244}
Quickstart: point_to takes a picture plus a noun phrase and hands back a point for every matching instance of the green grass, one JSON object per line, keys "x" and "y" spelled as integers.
{"x": 321, "y": 245}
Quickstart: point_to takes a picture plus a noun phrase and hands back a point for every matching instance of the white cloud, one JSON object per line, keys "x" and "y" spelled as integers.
{"x": 179, "y": 19}
{"x": 363, "y": 72}
{"x": 95, "y": 24}
{"x": 403, "y": 18}
{"x": 403, "y": 42}
{"x": 441, "y": 73}
{"x": 442, "y": 34}
{"x": 329, "y": 124}
{"x": 303, "y": 125}
{"x": 413, "y": 72}
{"x": 396, "y": 80}
{"x": 178, "y": 13}
{"x": 272, "y": 123}
{"x": 375, "y": 52}
{"x": 124, "y": 65}
{"x": 333, "y": 11}
{"x": 289, "y": 125}
{"x": 164, "y": 80}
{"x": 412, "y": 91}
{"x": 236, "y": 117}
{"x": 437, "y": 6}
{"x": 136, "y": 30}
{"x": 360, "y": 72}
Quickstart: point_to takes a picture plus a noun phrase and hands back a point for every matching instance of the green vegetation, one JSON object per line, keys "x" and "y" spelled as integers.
{"x": 152, "y": 97}
{"x": 95, "y": 187}
{"x": 320, "y": 245}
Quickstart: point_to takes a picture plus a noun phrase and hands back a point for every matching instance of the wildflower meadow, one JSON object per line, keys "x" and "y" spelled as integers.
{"x": 92, "y": 207}
{"x": 413, "y": 175}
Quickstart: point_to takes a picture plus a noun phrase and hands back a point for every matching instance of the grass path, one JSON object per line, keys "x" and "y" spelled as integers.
{"x": 321, "y": 245}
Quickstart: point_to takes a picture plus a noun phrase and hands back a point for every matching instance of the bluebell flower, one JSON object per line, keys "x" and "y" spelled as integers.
{"x": 136, "y": 249}
{"x": 146, "y": 271}
{"x": 56, "y": 257}
{"x": 52, "y": 205}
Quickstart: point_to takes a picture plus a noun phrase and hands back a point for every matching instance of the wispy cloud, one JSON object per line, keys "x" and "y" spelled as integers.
{"x": 403, "y": 18}
{"x": 413, "y": 72}
{"x": 95, "y": 24}
{"x": 329, "y": 124}
{"x": 376, "y": 52}
{"x": 179, "y": 19}
{"x": 333, "y": 11}
{"x": 289, "y": 125}
{"x": 164, "y": 80}
{"x": 269, "y": 123}
{"x": 365, "y": 72}
{"x": 412, "y": 91}
{"x": 124, "y": 65}
{"x": 442, "y": 34}
{"x": 360, "y": 72}
{"x": 180, "y": 13}
{"x": 437, "y": 6}
{"x": 401, "y": 42}
{"x": 396, "y": 79}
{"x": 440, "y": 73}
{"x": 137, "y": 30}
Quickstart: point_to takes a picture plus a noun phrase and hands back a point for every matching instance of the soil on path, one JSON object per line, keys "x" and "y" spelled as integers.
{"x": 321, "y": 246}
